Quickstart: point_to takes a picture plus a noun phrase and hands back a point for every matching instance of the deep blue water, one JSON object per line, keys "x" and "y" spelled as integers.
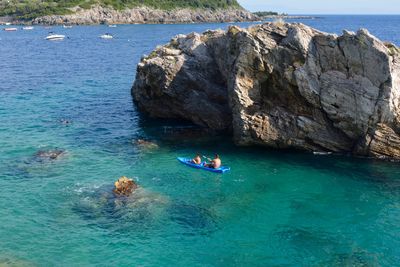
{"x": 276, "y": 208}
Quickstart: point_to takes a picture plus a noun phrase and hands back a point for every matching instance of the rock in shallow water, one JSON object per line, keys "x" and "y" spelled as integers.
{"x": 52, "y": 154}
{"x": 144, "y": 144}
{"x": 124, "y": 186}
{"x": 106, "y": 209}
{"x": 141, "y": 210}
{"x": 280, "y": 86}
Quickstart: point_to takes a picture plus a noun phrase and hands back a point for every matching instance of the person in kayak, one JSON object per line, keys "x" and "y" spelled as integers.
{"x": 197, "y": 159}
{"x": 215, "y": 163}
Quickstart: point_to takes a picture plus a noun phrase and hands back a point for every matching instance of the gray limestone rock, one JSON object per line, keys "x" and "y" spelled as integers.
{"x": 140, "y": 15}
{"x": 280, "y": 85}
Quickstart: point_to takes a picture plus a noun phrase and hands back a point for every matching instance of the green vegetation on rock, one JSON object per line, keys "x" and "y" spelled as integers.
{"x": 29, "y": 9}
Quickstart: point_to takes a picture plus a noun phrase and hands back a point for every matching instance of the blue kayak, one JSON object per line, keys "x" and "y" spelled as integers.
{"x": 188, "y": 162}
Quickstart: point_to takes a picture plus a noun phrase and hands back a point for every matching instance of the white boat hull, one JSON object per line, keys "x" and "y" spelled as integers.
{"x": 10, "y": 29}
{"x": 55, "y": 37}
{"x": 106, "y": 36}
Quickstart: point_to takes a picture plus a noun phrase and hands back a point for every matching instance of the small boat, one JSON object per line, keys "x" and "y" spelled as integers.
{"x": 10, "y": 29}
{"x": 27, "y": 28}
{"x": 8, "y": 23}
{"x": 55, "y": 37}
{"x": 112, "y": 26}
{"x": 106, "y": 36}
{"x": 188, "y": 162}
{"x": 67, "y": 26}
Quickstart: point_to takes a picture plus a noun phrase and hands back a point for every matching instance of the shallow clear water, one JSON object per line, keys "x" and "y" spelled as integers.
{"x": 274, "y": 208}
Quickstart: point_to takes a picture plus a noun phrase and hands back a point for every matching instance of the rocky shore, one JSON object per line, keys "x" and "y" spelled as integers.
{"x": 280, "y": 85}
{"x": 141, "y": 15}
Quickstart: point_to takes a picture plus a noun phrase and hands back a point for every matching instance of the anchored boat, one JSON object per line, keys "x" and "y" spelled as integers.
{"x": 106, "y": 36}
{"x": 55, "y": 37}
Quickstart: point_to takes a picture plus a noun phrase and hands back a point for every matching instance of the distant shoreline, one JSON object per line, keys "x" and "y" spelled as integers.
{"x": 291, "y": 17}
{"x": 98, "y": 15}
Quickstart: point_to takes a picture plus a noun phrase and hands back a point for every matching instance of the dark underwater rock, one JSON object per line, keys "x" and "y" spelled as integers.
{"x": 53, "y": 154}
{"x": 192, "y": 217}
{"x": 141, "y": 210}
{"x": 145, "y": 144}
{"x": 106, "y": 209}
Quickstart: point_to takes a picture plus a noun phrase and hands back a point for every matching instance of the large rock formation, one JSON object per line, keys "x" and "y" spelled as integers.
{"x": 280, "y": 85}
{"x": 139, "y": 15}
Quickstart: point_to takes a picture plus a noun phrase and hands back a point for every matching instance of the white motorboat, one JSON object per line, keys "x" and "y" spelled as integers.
{"x": 55, "y": 37}
{"x": 10, "y": 29}
{"x": 106, "y": 36}
{"x": 27, "y": 28}
{"x": 67, "y": 26}
{"x": 112, "y": 26}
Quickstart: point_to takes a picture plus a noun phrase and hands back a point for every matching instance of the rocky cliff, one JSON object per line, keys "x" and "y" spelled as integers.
{"x": 280, "y": 85}
{"x": 140, "y": 15}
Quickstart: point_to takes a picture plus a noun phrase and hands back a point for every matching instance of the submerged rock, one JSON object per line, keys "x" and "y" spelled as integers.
{"x": 120, "y": 212}
{"x": 124, "y": 186}
{"x": 140, "y": 210}
{"x": 9, "y": 261}
{"x": 49, "y": 154}
{"x": 356, "y": 257}
{"x": 194, "y": 218}
{"x": 145, "y": 144}
{"x": 280, "y": 85}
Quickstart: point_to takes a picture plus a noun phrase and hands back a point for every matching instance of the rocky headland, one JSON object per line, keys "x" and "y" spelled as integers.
{"x": 280, "y": 85}
{"x": 146, "y": 15}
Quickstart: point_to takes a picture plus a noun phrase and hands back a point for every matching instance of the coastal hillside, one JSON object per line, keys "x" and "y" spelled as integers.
{"x": 123, "y": 11}
{"x": 280, "y": 85}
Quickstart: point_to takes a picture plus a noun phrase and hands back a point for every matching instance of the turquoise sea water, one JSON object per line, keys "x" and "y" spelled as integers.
{"x": 276, "y": 208}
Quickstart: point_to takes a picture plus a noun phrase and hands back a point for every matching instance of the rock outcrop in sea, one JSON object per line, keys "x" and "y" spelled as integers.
{"x": 124, "y": 186}
{"x": 48, "y": 155}
{"x": 280, "y": 85}
{"x": 141, "y": 15}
